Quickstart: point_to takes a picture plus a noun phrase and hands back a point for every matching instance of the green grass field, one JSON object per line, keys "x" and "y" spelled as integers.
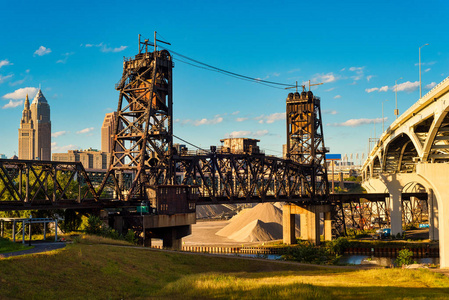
{"x": 93, "y": 269}
{"x": 7, "y": 246}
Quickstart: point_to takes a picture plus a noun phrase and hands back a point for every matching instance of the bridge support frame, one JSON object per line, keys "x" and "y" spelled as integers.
{"x": 310, "y": 222}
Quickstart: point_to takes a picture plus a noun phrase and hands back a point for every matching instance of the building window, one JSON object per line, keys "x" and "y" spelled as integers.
{"x": 25, "y": 134}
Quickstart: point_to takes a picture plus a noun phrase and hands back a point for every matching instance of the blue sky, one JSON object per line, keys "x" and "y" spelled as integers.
{"x": 357, "y": 48}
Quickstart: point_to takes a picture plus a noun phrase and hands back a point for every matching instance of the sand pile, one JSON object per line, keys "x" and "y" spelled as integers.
{"x": 260, "y": 223}
{"x": 212, "y": 211}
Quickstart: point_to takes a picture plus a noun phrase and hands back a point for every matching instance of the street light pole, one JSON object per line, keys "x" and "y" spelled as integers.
{"x": 396, "y": 111}
{"x": 420, "y": 90}
{"x": 383, "y": 116}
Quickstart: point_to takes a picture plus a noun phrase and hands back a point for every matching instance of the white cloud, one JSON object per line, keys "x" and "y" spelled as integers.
{"x": 17, "y": 82}
{"x": 426, "y": 64}
{"x": 368, "y": 78}
{"x": 337, "y": 97}
{"x": 247, "y": 133}
{"x": 235, "y": 113}
{"x": 58, "y": 134}
{"x": 325, "y": 78}
{"x": 241, "y": 119}
{"x": 42, "y": 51}
{"x": 217, "y": 119}
{"x": 108, "y": 49}
{"x": 384, "y": 89}
{"x": 329, "y": 112}
{"x": 105, "y": 48}
{"x": 85, "y": 130}
{"x": 408, "y": 86}
{"x": 270, "y": 118}
{"x": 294, "y": 70}
{"x": 61, "y": 149}
{"x": 381, "y": 89}
{"x": 12, "y": 104}
{"x": 3, "y": 78}
{"x": 358, "y": 71}
{"x": 329, "y": 90}
{"x": 66, "y": 56}
{"x": 427, "y": 70}
{"x": 205, "y": 121}
{"x": 21, "y": 93}
{"x": 430, "y": 85}
{"x": 5, "y": 62}
{"x": 371, "y": 90}
{"x": 357, "y": 122}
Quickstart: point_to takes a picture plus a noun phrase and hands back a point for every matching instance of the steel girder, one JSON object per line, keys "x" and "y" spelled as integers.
{"x": 28, "y": 184}
{"x": 305, "y": 138}
{"x": 143, "y": 135}
{"x": 225, "y": 177}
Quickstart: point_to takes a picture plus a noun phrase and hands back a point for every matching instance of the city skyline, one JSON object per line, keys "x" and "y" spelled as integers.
{"x": 357, "y": 51}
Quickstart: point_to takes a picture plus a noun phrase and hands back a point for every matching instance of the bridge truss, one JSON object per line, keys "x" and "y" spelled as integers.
{"x": 28, "y": 184}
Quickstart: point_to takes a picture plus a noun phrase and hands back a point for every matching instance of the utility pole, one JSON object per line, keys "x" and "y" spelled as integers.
{"x": 420, "y": 90}
{"x": 396, "y": 111}
{"x": 383, "y": 130}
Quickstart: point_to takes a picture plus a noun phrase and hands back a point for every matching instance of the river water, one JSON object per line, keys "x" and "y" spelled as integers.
{"x": 354, "y": 259}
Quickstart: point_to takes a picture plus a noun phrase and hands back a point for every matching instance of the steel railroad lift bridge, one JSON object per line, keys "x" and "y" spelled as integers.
{"x": 172, "y": 183}
{"x": 166, "y": 186}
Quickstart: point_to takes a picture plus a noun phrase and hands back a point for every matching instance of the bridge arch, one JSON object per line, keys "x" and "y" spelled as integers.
{"x": 436, "y": 148}
{"x": 377, "y": 167}
{"x": 399, "y": 155}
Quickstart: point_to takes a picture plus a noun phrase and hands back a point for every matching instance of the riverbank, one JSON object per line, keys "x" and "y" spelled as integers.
{"x": 91, "y": 268}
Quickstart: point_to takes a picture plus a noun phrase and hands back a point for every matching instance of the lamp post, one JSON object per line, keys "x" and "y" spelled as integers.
{"x": 396, "y": 111}
{"x": 420, "y": 90}
{"x": 383, "y": 115}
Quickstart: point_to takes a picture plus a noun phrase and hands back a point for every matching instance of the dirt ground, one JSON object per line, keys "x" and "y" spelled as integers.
{"x": 203, "y": 234}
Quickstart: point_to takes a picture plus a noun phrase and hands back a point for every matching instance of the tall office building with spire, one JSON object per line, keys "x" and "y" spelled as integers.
{"x": 35, "y": 129}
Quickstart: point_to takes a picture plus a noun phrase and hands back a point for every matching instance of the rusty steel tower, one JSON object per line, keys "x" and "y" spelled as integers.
{"x": 143, "y": 134}
{"x": 305, "y": 140}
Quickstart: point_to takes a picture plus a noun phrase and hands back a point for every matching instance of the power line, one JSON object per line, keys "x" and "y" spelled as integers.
{"x": 225, "y": 72}
{"x": 205, "y": 68}
{"x": 189, "y": 143}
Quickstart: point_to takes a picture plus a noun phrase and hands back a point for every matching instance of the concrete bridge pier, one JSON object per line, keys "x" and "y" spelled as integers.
{"x": 170, "y": 228}
{"x": 434, "y": 234}
{"x": 310, "y": 223}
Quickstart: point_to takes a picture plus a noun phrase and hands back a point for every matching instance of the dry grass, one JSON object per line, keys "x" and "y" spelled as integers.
{"x": 91, "y": 269}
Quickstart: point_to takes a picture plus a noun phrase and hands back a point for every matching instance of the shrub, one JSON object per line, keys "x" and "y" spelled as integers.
{"x": 338, "y": 246}
{"x": 405, "y": 257}
{"x": 307, "y": 253}
{"x": 94, "y": 225}
{"x": 130, "y": 236}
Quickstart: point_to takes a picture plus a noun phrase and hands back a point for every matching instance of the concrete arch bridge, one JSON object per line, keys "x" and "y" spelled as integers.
{"x": 412, "y": 156}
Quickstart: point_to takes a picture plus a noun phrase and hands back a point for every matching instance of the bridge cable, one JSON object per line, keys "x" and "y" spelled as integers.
{"x": 189, "y": 143}
{"x": 225, "y": 72}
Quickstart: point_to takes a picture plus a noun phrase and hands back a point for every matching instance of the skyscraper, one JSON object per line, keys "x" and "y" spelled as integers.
{"x": 107, "y": 130}
{"x": 35, "y": 129}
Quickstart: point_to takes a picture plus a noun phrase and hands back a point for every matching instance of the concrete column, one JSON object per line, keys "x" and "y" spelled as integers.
{"x": 14, "y": 231}
{"x": 341, "y": 180}
{"x": 327, "y": 226}
{"x": 395, "y": 211}
{"x": 170, "y": 239}
{"x": 303, "y": 228}
{"x": 23, "y": 232}
{"x": 313, "y": 224}
{"x": 146, "y": 239}
{"x": 433, "y": 216}
{"x": 56, "y": 230}
{"x": 288, "y": 225}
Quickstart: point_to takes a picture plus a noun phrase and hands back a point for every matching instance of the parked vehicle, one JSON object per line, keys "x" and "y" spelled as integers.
{"x": 378, "y": 221}
{"x": 383, "y": 233}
